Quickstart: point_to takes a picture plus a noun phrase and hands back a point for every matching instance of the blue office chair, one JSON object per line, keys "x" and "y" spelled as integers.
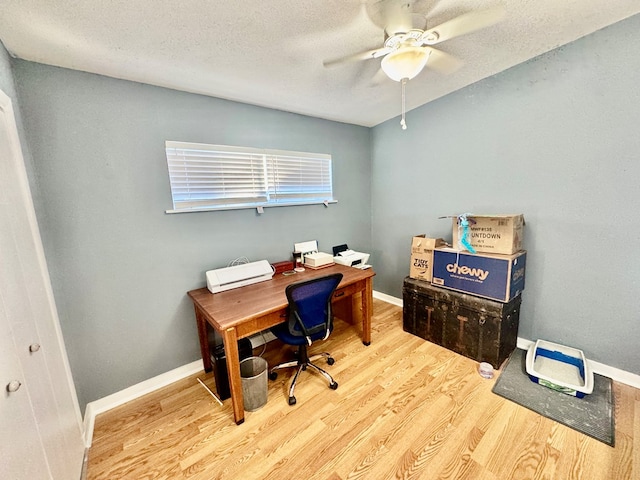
{"x": 309, "y": 319}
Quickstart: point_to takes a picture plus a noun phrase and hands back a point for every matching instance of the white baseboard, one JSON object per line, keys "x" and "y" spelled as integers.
{"x": 119, "y": 398}
{"x": 387, "y": 298}
{"x": 123, "y": 396}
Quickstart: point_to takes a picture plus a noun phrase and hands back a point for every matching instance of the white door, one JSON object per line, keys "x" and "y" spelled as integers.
{"x": 55, "y": 445}
{"x": 21, "y": 453}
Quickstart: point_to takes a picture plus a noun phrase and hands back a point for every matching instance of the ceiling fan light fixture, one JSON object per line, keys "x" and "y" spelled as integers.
{"x": 405, "y": 62}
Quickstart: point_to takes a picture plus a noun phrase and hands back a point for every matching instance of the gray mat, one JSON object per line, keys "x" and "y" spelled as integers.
{"x": 591, "y": 415}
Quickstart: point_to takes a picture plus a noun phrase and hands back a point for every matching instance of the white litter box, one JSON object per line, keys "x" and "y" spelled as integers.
{"x": 560, "y": 368}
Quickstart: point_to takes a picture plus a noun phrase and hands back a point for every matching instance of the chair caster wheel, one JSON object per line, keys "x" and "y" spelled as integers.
{"x": 333, "y": 385}
{"x": 273, "y": 375}
{"x": 292, "y": 400}
{"x": 330, "y": 361}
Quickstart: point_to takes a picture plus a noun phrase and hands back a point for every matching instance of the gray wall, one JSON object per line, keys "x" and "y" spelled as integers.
{"x": 120, "y": 266}
{"x": 557, "y": 139}
{"x": 7, "y": 85}
{"x": 554, "y": 138}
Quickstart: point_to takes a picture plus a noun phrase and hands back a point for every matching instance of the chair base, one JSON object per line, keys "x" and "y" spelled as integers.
{"x": 303, "y": 363}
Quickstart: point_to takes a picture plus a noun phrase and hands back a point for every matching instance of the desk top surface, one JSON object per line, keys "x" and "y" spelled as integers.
{"x": 231, "y": 307}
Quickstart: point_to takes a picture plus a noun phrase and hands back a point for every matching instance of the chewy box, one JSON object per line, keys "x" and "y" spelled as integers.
{"x": 497, "y": 277}
{"x": 560, "y": 368}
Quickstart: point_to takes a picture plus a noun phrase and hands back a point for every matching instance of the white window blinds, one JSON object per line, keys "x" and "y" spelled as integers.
{"x": 206, "y": 177}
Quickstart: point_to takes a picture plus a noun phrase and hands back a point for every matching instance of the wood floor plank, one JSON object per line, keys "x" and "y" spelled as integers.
{"x": 405, "y": 408}
{"x": 427, "y": 404}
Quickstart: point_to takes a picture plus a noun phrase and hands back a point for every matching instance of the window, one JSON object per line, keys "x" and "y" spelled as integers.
{"x": 210, "y": 177}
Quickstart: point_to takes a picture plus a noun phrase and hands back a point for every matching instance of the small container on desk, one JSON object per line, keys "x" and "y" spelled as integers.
{"x": 297, "y": 262}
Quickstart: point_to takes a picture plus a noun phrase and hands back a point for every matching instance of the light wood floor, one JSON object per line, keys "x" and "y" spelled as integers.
{"x": 405, "y": 409}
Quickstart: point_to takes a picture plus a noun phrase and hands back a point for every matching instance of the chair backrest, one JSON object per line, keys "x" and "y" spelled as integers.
{"x": 310, "y": 306}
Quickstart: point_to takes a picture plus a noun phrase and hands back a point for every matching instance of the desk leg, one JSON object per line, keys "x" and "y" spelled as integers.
{"x": 367, "y": 311}
{"x": 230, "y": 340}
{"x": 204, "y": 340}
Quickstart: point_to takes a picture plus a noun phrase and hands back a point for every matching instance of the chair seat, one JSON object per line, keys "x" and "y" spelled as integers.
{"x": 281, "y": 331}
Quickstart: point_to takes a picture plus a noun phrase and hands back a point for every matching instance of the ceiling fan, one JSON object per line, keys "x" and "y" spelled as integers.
{"x": 408, "y": 43}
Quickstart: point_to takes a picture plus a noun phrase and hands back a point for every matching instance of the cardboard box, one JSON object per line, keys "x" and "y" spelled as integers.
{"x": 422, "y": 256}
{"x": 502, "y": 234}
{"x": 498, "y": 277}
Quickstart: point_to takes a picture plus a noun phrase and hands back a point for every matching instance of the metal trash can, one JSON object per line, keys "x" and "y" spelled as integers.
{"x": 254, "y": 372}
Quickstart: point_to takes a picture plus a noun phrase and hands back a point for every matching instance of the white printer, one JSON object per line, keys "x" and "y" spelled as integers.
{"x": 344, "y": 256}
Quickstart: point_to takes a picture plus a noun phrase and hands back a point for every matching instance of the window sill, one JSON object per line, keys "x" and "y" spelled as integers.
{"x": 249, "y": 207}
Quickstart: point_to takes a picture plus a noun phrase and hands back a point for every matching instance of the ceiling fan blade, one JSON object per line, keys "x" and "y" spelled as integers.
{"x": 465, "y": 23}
{"x": 356, "y": 57}
{"x": 442, "y": 62}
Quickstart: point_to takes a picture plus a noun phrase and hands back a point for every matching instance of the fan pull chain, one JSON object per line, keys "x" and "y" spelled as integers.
{"x": 403, "y": 123}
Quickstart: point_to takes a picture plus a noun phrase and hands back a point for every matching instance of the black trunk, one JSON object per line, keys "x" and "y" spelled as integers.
{"x": 478, "y": 328}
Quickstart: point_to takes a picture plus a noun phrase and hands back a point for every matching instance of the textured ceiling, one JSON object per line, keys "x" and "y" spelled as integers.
{"x": 270, "y": 52}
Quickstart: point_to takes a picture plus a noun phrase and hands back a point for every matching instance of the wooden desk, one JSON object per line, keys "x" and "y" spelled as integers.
{"x": 244, "y": 311}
